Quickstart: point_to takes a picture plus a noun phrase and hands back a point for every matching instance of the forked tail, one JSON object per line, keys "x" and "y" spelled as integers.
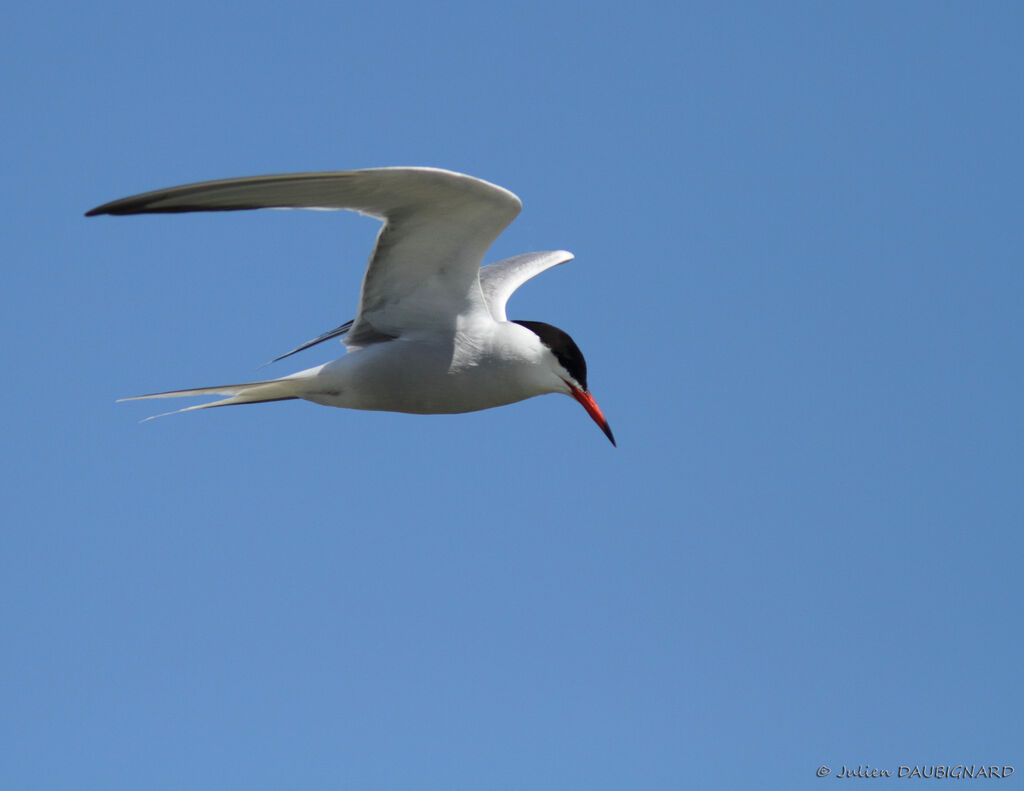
{"x": 249, "y": 393}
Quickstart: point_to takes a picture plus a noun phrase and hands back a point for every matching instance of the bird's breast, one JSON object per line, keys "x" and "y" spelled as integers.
{"x": 434, "y": 375}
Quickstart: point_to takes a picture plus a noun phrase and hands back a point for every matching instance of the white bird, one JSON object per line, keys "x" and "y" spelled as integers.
{"x": 430, "y": 334}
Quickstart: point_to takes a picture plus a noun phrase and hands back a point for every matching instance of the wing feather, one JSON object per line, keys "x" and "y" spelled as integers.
{"x": 499, "y": 280}
{"x": 424, "y": 268}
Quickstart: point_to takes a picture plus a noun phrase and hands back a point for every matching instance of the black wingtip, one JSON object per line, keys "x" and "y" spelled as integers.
{"x": 341, "y": 329}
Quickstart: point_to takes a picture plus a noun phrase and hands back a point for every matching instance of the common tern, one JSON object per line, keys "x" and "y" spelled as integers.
{"x": 430, "y": 334}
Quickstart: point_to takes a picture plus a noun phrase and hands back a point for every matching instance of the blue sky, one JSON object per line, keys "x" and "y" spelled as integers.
{"x": 798, "y": 286}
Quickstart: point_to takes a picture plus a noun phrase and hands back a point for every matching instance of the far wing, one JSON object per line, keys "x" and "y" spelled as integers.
{"x": 423, "y": 271}
{"x": 337, "y": 332}
{"x": 499, "y": 280}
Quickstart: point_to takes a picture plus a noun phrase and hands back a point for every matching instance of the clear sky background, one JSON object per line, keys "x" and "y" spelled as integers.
{"x": 798, "y": 285}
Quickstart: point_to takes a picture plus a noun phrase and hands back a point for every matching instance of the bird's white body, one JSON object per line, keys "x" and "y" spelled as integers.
{"x": 430, "y": 335}
{"x": 434, "y": 372}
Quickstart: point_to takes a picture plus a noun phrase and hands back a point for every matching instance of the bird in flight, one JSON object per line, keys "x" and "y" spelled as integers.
{"x": 430, "y": 334}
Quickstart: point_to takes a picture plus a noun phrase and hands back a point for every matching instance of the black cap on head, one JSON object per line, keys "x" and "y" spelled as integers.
{"x": 563, "y": 347}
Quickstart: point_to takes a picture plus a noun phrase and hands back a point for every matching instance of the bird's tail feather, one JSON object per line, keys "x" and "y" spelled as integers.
{"x": 248, "y": 393}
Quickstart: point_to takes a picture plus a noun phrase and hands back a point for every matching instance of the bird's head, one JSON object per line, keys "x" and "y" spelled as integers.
{"x": 566, "y": 359}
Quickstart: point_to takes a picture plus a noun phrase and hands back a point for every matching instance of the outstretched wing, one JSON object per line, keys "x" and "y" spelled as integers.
{"x": 423, "y": 272}
{"x": 499, "y": 280}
